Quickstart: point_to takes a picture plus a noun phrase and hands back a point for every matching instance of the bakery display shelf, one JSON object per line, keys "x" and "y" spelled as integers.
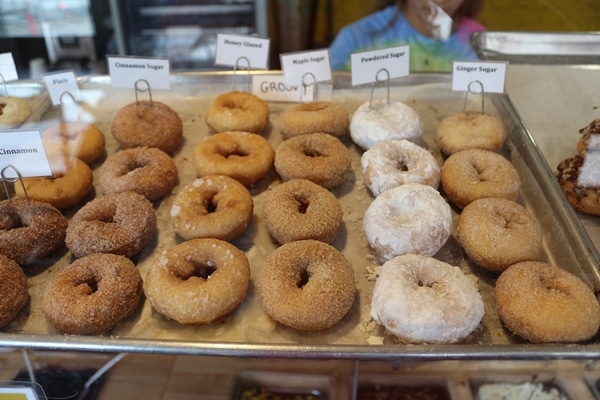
{"x": 248, "y": 331}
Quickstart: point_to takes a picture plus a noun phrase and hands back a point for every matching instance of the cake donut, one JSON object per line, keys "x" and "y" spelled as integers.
{"x": 243, "y": 156}
{"x": 470, "y": 130}
{"x": 321, "y": 116}
{"x": 384, "y": 120}
{"x": 543, "y": 303}
{"x": 93, "y": 294}
{"x": 300, "y": 209}
{"x": 198, "y": 281}
{"x": 13, "y": 112}
{"x": 477, "y": 173}
{"x": 214, "y": 206}
{"x": 421, "y": 299}
{"x": 590, "y": 139}
{"x": 13, "y": 286}
{"x": 118, "y": 223}
{"x": 412, "y": 218}
{"x": 392, "y": 163}
{"x": 317, "y": 157}
{"x": 148, "y": 124}
{"x": 307, "y": 285}
{"x": 74, "y": 139}
{"x": 148, "y": 171}
{"x": 497, "y": 233}
{"x": 579, "y": 178}
{"x": 237, "y": 111}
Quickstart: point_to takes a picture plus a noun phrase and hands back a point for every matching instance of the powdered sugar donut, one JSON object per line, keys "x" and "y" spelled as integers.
{"x": 384, "y": 120}
{"x": 393, "y": 163}
{"x": 412, "y": 218}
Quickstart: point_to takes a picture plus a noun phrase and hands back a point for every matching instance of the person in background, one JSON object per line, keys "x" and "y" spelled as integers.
{"x": 408, "y": 22}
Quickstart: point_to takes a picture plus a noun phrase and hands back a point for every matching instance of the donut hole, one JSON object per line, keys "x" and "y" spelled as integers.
{"x": 312, "y": 152}
{"x": 235, "y": 153}
{"x": 210, "y": 204}
{"x": 11, "y": 221}
{"x": 89, "y": 285}
{"x": 2, "y": 105}
{"x": 304, "y": 277}
{"x": 134, "y": 165}
{"x": 401, "y": 165}
{"x": 199, "y": 270}
{"x": 302, "y": 204}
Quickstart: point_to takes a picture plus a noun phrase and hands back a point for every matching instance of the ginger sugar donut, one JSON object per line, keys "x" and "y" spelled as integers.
{"x": 543, "y": 303}
{"x": 30, "y": 230}
{"x": 237, "y": 111}
{"x": 411, "y": 218}
{"x": 214, "y": 206}
{"x": 318, "y": 157}
{"x": 321, "y": 116}
{"x": 423, "y": 300}
{"x": 74, "y": 139}
{"x": 497, "y": 233}
{"x": 118, "y": 223}
{"x": 148, "y": 124}
{"x": 307, "y": 285}
{"x": 243, "y": 156}
{"x": 93, "y": 294}
{"x": 476, "y": 173}
{"x": 13, "y": 286}
{"x": 13, "y": 112}
{"x": 148, "y": 171}
{"x": 470, "y": 130}
{"x": 393, "y": 163}
{"x": 300, "y": 209}
{"x": 198, "y": 281}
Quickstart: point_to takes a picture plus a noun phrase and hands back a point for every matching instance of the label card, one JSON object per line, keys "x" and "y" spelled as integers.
{"x": 238, "y": 50}
{"x": 8, "y": 69}
{"x": 491, "y": 74}
{"x": 62, "y": 87}
{"x": 367, "y": 66}
{"x": 126, "y": 71}
{"x": 297, "y": 65}
{"x": 18, "y": 393}
{"x": 274, "y": 88}
{"x": 24, "y": 150}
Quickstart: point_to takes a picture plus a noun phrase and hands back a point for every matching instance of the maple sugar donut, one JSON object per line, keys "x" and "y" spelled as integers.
{"x": 13, "y": 286}
{"x": 306, "y": 285}
{"x": 237, "y": 111}
{"x": 393, "y": 163}
{"x": 148, "y": 124}
{"x": 118, "y": 223}
{"x": 30, "y": 230}
{"x": 321, "y": 116}
{"x": 579, "y": 179}
{"x": 243, "y": 156}
{"x": 470, "y": 130}
{"x": 198, "y": 281}
{"x": 148, "y": 171}
{"x": 214, "y": 206}
{"x": 74, "y": 139}
{"x": 93, "y": 294}
{"x": 476, "y": 173}
{"x": 543, "y": 303}
{"x": 13, "y": 112}
{"x": 318, "y": 157}
{"x": 300, "y": 209}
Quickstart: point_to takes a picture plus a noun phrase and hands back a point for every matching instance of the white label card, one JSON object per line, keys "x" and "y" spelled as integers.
{"x": 242, "y": 52}
{"x": 8, "y": 69}
{"x": 306, "y": 67}
{"x": 370, "y": 66}
{"x": 275, "y": 88}
{"x": 24, "y": 151}
{"x": 126, "y": 71}
{"x": 467, "y": 76}
{"x": 62, "y": 87}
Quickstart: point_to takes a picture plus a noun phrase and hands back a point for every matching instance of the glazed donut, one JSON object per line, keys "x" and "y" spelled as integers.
{"x": 93, "y": 294}
{"x": 147, "y": 124}
{"x": 243, "y": 156}
{"x": 393, "y": 163}
{"x": 300, "y": 209}
{"x": 590, "y": 139}
{"x": 318, "y": 157}
{"x": 543, "y": 303}
{"x": 496, "y": 233}
{"x": 30, "y": 230}
{"x": 72, "y": 181}
{"x": 306, "y": 285}
{"x": 470, "y": 130}
{"x": 198, "y": 281}
{"x": 412, "y": 218}
{"x": 423, "y": 300}
{"x": 74, "y": 139}
{"x": 119, "y": 223}
{"x": 13, "y": 286}
{"x": 320, "y": 116}
{"x": 579, "y": 180}
{"x": 13, "y": 112}
{"x": 237, "y": 111}
{"x": 148, "y": 171}
{"x": 384, "y": 120}
{"x": 476, "y": 173}
{"x": 214, "y": 206}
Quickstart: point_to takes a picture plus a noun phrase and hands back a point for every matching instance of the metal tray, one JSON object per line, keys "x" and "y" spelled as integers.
{"x": 248, "y": 331}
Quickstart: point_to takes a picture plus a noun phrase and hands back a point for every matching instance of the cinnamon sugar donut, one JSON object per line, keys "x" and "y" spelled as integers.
{"x": 543, "y": 303}
{"x": 13, "y": 286}
{"x": 237, "y": 111}
{"x": 300, "y": 209}
{"x": 198, "y": 281}
{"x": 321, "y": 116}
{"x": 318, "y": 157}
{"x": 470, "y": 130}
{"x": 93, "y": 294}
{"x": 13, "y": 112}
{"x": 306, "y": 285}
{"x": 74, "y": 139}
{"x": 243, "y": 156}
{"x": 148, "y": 171}
{"x": 579, "y": 178}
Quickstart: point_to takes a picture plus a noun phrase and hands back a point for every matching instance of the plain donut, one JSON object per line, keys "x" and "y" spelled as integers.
{"x": 237, "y": 111}
{"x": 321, "y": 116}
{"x": 74, "y": 139}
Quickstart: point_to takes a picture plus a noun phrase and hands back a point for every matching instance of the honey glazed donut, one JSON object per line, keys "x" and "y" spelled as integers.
{"x": 237, "y": 111}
